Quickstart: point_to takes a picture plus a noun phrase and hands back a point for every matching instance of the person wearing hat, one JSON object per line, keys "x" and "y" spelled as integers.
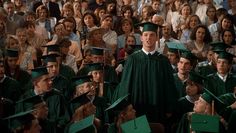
{"x": 143, "y": 78}
{"x": 193, "y": 89}
{"x": 123, "y": 111}
{"x": 9, "y": 91}
{"x": 40, "y": 112}
{"x": 83, "y": 84}
{"x": 110, "y": 36}
{"x": 64, "y": 70}
{"x": 13, "y": 70}
{"x": 229, "y": 113}
{"x": 58, "y": 81}
{"x": 207, "y": 105}
{"x": 222, "y": 81}
{"x": 82, "y": 107}
{"x": 99, "y": 55}
{"x": 23, "y": 122}
{"x": 186, "y": 63}
{"x": 209, "y": 67}
{"x": 42, "y": 85}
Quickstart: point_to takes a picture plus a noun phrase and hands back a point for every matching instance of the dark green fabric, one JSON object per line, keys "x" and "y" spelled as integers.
{"x": 183, "y": 126}
{"x": 64, "y": 85}
{"x": 23, "y": 77}
{"x": 206, "y": 70}
{"x": 112, "y": 128}
{"x": 180, "y": 86}
{"x": 110, "y": 74}
{"x": 9, "y": 89}
{"x": 184, "y": 106}
{"x": 231, "y": 122}
{"x": 150, "y": 83}
{"x": 67, "y": 71}
{"x": 228, "y": 99}
{"x": 57, "y": 110}
{"x": 218, "y": 87}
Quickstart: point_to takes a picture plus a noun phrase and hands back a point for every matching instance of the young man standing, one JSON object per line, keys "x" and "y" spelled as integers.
{"x": 148, "y": 78}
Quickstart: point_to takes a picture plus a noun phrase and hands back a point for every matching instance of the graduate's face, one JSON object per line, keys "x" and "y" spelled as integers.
{"x": 35, "y": 127}
{"x": 184, "y": 66}
{"x": 130, "y": 113}
{"x": 53, "y": 69}
{"x": 191, "y": 88}
{"x": 222, "y": 66}
{"x": 149, "y": 39}
{"x": 11, "y": 61}
{"x": 200, "y": 106}
{"x": 97, "y": 76}
{"x": 83, "y": 88}
{"x": 44, "y": 84}
{"x": 173, "y": 58}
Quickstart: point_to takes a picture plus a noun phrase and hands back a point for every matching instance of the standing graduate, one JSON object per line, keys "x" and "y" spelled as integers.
{"x": 148, "y": 78}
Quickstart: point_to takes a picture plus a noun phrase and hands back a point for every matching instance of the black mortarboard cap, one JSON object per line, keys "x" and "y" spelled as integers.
{"x": 80, "y": 100}
{"x": 119, "y": 105}
{"x": 197, "y": 78}
{"x": 39, "y": 71}
{"x": 20, "y": 119}
{"x": 94, "y": 66}
{"x": 225, "y": 55}
{"x": 148, "y": 26}
{"x": 52, "y": 48}
{"x": 30, "y": 102}
{"x": 98, "y": 50}
{"x": 219, "y": 46}
{"x": 208, "y": 96}
{"x": 50, "y": 58}
{"x": 12, "y": 52}
{"x": 188, "y": 55}
{"x": 81, "y": 79}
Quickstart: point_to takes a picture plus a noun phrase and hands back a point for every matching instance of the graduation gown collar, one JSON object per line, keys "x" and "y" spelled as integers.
{"x": 146, "y": 52}
{"x": 2, "y": 80}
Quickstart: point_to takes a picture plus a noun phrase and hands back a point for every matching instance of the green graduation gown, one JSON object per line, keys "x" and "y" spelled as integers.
{"x": 23, "y": 77}
{"x": 184, "y": 105}
{"x": 63, "y": 84}
{"x": 219, "y": 87}
{"x": 112, "y": 128}
{"x": 149, "y": 81}
{"x": 9, "y": 89}
{"x": 57, "y": 110}
{"x": 179, "y": 86}
{"x": 66, "y": 71}
{"x": 205, "y": 70}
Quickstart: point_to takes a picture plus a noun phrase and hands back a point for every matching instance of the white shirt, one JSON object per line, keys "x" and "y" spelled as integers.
{"x": 146, "y": 52}
{"x": 223, "y": 78}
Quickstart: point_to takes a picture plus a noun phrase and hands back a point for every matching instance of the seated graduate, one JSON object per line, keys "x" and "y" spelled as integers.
{"x": 57, "y": 108}
{"x": 194, "y": 87}
{"x": 40, "y": 112}
{"x": 23, "y": 122}
{"x": 229, "y": 113}
{"x": 84, "y": 84}
{"x": 205, "y": 105}
{"x": 123, "y": 112}
{"x": 82, "y": 107}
